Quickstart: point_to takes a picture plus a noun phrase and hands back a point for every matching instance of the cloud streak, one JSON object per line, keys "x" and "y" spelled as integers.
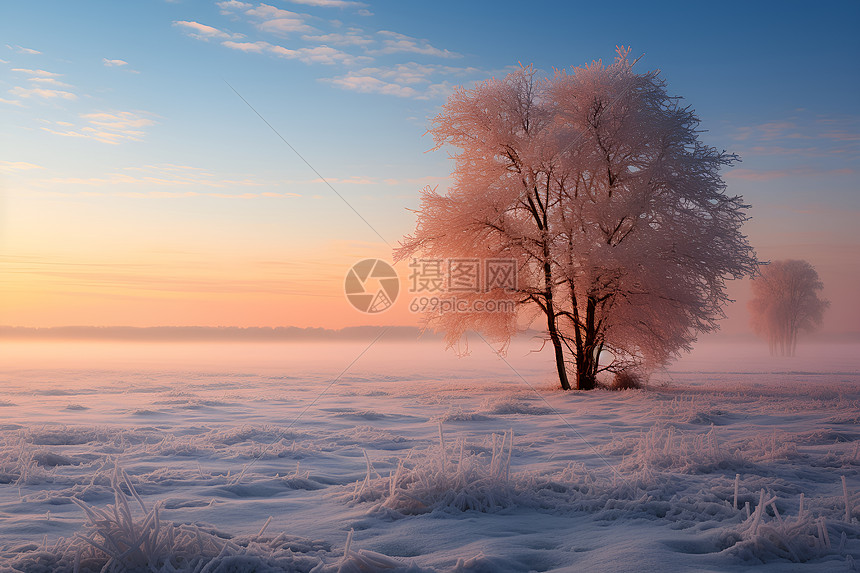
{"x": 315, "y": 55}
{"x": 278, "y": 21}
{"x": 802, "y": 135}
{"x": 768, "y": 175}
{"x": 330, "y": 3}
{"x": 413, "y": 80}
{"x": 36, "y": 73}
{"x": 410, "y": 80}
{"x": 394, "y": 42}
{"x": 230, "y": 5}
{"x": 353, "y": 38}
{"x": 107, "y": 127}
{"x": 171, "y": 181}
{"x": 42, "y": 93}
{"x": 15, "y": 166}
{"x": 203, "y": 32}
{"x": 369, "y": 84}
{"x": 23, "y": 50}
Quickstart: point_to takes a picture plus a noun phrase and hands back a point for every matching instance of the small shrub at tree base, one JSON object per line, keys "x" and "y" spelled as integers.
{"x": 626, "y": 380}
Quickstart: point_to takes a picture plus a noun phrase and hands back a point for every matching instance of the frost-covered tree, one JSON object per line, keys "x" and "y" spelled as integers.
{"x": 596, "y": 183}
{"x": 785, "y": 302}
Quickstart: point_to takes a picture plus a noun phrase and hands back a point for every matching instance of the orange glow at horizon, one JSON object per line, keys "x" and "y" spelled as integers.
{"x": 179, "y": 289}
{"x": 74, "y": 264}
{"x": 176, "y": 291}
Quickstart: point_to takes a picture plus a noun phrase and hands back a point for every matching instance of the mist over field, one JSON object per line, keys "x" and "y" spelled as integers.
{"x": 220, "y": 436}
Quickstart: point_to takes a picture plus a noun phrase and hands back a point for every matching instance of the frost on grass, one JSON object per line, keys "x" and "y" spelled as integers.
{"x": 511, "y": 405}
{"x": 457, "y": 414}
{"x": 366, "y": 561}
{"x": 767, "y": 535}
{"x": 690, "y": 410}
{"x": 445, "y": 477}
{"x": 663, "y": 447}
{"x": 669, "y": 474}
{"x": 121, "y": 538}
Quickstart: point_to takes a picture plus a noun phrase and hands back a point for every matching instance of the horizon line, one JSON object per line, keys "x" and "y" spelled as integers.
{"x": 207, "y": 333}
{"x": 285, "y": 333}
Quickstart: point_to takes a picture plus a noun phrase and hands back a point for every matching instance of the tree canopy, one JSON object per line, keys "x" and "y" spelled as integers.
{"x": 596, "y": 183}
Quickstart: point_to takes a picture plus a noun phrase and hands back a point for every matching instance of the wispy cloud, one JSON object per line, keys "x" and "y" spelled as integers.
{"x": 14, "y": 166}
{"x": 107, "y": 127}
{"x": 268, "y": 12}
{"x": 252, "y": 47}
{"x": 38, "y": 79}
{"x": 769, "y": 131}
{"x": 170, "y": 181}
{"x": 355, "y": 38}
{"x": 42, "y": 93}
{"x": 230, "y": 6}
{"x": 176, "y": 181}
{"x": 203, "y": 32}
{"x": 332, "y": 46}
{"x": 369, "y": 84}
{"x": 118, "y": 121}
{"x": 49, "y": 81}
{"x": 839, "y": 129}
{"x": 173, "y": 274}
{"x": 413, "y": 80}
{"x": 119, "y": 64}
{"x": 318, "y": 55}
{"x": 394, "y": 42}
{"x": 414, "y": 73}
{"x": 330, "y": 3}
{"x": 802, "y": 135}
{"x": 353, "y": 180}
{"x": 36, "y": 73}
{"x": 422, "y": 181}
{"x": 768, "y": 175}
{"x": 23, "y": 50}
{"x": 315, "y": 55}
{"x": 278, "y": 21}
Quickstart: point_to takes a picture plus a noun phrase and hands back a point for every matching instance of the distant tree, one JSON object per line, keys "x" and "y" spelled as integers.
{"x": 596, "y": 183}
{"x": 785, "y": 302}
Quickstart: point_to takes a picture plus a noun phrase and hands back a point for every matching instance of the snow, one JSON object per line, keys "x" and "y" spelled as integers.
{"x": 416, "y": 460}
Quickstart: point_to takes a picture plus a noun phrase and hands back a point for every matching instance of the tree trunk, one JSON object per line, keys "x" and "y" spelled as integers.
{"x": 586, "y": 367}
{"x": 551, "y": 325}
{"x": 585, "y": 378}
{"x": 552, "y": 329}
{"x": 586, "y": 361}
{"x": 559, "y": 354}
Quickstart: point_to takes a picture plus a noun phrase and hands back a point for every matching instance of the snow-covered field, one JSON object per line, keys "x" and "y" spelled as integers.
{"x": 434, "y": 463}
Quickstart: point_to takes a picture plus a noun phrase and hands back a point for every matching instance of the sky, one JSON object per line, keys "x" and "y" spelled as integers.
{"x": 225, "y": 163}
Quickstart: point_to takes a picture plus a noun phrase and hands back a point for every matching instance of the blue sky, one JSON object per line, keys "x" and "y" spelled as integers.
{"x": 123, "y": 141}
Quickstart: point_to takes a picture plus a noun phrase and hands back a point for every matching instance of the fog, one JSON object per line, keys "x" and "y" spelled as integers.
{"x": 393, "y": 357}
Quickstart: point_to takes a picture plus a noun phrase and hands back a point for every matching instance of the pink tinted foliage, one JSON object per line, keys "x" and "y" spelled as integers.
{"x": 596, "y": 183}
